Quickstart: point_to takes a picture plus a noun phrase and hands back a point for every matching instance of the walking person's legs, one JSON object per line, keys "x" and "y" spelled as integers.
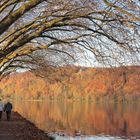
{"x": 8, "y": 113}
{"x": 0, "y": 115}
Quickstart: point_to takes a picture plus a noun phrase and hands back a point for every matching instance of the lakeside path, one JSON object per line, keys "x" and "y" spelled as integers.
{"x": 20, "y": 129}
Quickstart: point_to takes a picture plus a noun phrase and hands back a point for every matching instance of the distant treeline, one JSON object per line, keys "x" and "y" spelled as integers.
{"x": 76, "y": 83}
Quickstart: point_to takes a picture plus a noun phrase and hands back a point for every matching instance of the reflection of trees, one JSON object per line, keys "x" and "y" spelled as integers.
{"x": 125, "y": 127}
{"x": 88, "y": 118}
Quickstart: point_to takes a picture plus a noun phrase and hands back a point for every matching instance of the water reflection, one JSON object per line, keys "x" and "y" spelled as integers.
{"x": 87, "y": 118}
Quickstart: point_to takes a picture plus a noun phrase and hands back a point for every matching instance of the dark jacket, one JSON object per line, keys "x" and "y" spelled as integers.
{"x": 8, "y": 107}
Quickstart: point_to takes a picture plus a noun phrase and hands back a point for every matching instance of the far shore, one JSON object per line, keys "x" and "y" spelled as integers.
{"x": 100, "y": 100}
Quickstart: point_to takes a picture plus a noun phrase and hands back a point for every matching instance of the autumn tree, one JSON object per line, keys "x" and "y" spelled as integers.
{"x": 49, "y": 33}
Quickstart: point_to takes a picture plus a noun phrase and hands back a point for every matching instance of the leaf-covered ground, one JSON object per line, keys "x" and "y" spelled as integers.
{"x": 20, "y": 129}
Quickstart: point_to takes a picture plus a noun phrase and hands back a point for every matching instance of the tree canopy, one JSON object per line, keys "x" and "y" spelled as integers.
{"x": 49, "y": 33}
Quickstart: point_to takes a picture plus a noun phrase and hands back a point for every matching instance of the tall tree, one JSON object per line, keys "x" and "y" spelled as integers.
{"x": 36, "y": 31}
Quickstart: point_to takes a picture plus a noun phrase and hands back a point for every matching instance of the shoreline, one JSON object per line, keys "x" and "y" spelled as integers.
{"x": 19, "y": 128}
{"x": 101, "y": 100}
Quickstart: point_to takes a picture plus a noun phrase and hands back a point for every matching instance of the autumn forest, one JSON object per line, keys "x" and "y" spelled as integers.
{"x": 77, "y": 83}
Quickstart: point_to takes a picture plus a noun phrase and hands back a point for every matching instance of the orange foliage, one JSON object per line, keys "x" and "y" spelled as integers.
{"x": 76, "y": 83}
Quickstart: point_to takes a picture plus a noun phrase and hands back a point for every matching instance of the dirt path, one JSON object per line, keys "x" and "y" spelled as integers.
{"x": 20, "y": 129}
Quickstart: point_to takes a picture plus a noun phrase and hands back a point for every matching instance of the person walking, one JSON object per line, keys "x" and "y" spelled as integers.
{"x": 8, "y": 108}
{"x": 1, "y": 108}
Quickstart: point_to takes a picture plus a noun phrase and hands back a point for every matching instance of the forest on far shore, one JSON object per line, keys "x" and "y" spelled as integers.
{"x": 76, "y": 83}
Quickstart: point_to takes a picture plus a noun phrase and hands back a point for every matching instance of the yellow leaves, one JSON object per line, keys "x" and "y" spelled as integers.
{"x": 6, "y": 4}
{"x": 130, "y": 16}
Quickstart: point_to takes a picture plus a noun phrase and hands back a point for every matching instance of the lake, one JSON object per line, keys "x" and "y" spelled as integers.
{"x": 67, "y": 120}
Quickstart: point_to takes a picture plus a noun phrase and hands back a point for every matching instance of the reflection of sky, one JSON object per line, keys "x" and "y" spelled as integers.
{"x": 88, "y": 138}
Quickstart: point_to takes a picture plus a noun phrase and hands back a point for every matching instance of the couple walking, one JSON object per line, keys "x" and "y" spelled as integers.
{"x": 6, "y": 108}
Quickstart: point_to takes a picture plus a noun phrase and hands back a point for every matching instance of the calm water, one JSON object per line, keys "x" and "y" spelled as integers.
{"x": 83, "y": 120}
